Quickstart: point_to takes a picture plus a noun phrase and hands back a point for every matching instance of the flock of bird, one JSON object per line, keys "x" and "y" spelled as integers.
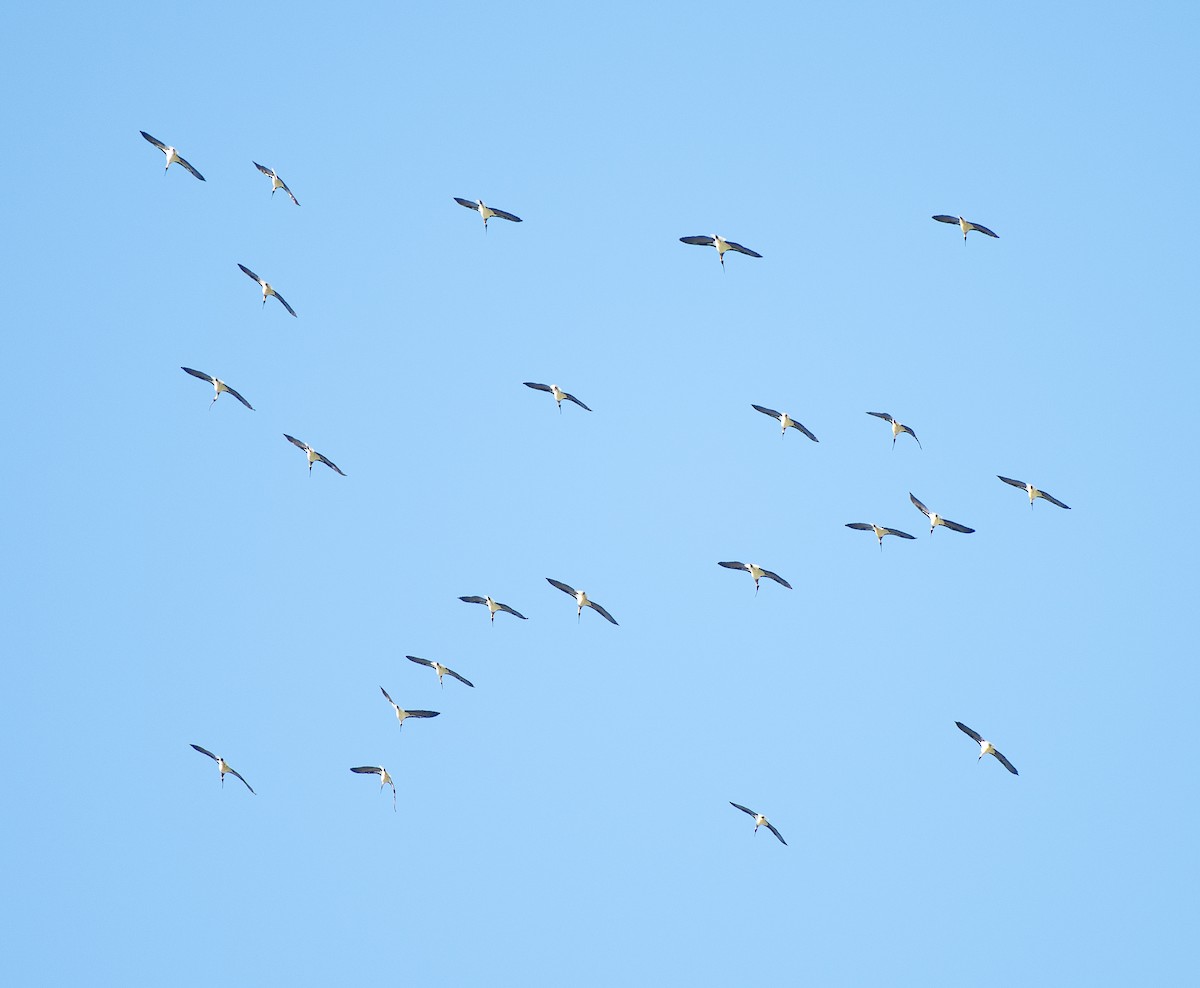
{"x": 581, "y": 598}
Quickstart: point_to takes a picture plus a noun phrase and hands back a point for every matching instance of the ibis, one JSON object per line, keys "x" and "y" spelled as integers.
{"x": 219, "y": 386}
{"x": 721, "y": 244}
{"x": 313, "y": 455}
{"x": 986, "y": 747}
{"x": 493, "y": 606}
{"x": 897, "y": 428}
{"x": 582, "y": 600}
{"x": 559, "y": 394}
{"x": 276, "y": 182}
{"x": 1033, "y": 492}
{"x": 224, "y": 766}
{"x": 384, "y": 778}
{"x": 759, "y": 821}
{"x": 487, "y": 212}
{"x": 879, "y": 531}
{"x": 758, "y": 573}
{"x": 441, "y": 671}
{"x": 267, "y": 290}
{"x": 966, "y": 226}
{"x": 172, "y": 155}
{"x": 785, "y": 421}
{"x": 935, "y": 519}
{"x": 402, "y": 715}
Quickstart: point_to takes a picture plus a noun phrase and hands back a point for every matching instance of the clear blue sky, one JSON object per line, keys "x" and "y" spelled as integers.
{"x": 173, "y": 575}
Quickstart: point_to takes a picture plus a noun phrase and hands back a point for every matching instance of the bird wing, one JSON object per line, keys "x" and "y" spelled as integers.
{"x": 742, "y": 250}
{"x": 503, "y": 215}
{"x": 536, "y": 387}
{"x": 739, "y": 806}
{"x": 1011, "y": 482}
{"x": 577, "y": 402}
{"x": 984, "y": 229}
{"x": 771, "y": 827}
{"x": 203, "y": 751}
{"x": 283, "y": 185}
{"x": 199, "y": 374}
{"x": 187, "y": 165}
{"x": 249, "y": 273}
{"x": 968, "y": 732}
{"x": 424, "y": 662}
{"x": 284, "y": 303}
{"x": 1005, "y": 762}
{"x": 919, "y": 506}
{"x": 698, "y": 241}
{"x": 947, "y": 219}
{"x": 239, "y": 397}
{"x": 777, "y": 578}
{"x": 860, "y": 526}
{"x": 329, "y": 463}
{"x": 733, "y": 565}
{"x": 386, "y": 697}
{"x": 561, "y": 586}
{"x": 368, "y": 770}
{"x": 235, "y": 772}
{"x": 956, "y": 527}
{"x": 1054, "y": 500}
{"x": 423, "y": 713}
{"x": 905, "y": 428}
{"x": 882, "y": 415}
{"x": 473, "y": 600}
{"x": 467, "y": 682}
{"x": 296, "y": 442}
{"x": 601, "y": 611}
{"x": 767, "y": 411}
{"x": 155, "y": 141}
{"x": 797, "y": 425}
{"x": 509, "y": 610}
{"x": 262, "y": 168}
{"x": 896, "y": 531}
{"x": 467, "y": 203}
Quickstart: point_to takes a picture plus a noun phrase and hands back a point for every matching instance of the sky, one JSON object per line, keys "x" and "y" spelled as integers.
{"x": 174, "y": 574}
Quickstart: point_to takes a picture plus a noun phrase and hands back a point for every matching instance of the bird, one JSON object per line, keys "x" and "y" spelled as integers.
{"x": 758, "y": 573}
{"x": 487, "y": 212}
{"x": 267, "y": 290}
{"x": 559, "y": 394}
{"x": 966, "y": 226}
{"x": 721, "y": 244}
{"x": 276, "y": 181}
{"x": 224, "y": 767}
{"x": 402, "y": 715}
{"x": 897, "y": 428}
{"x": 441, "y": 671}
{"x": 759, "y": 821}
{"x": 313, "y": 455}
{"x": 935, "y": 519}
{"x": 1033, "y": 492}
{"x": 986, "y": 747}
{"x": 218, "y": 387}
{"x": 879, "y": 531}
{"x": 172, "y": 155}
{"x": 493, "y": 606}
{"x": 384, "y": 778}
{"x": 581, "y": 599}
{"x": 785, "y": 420}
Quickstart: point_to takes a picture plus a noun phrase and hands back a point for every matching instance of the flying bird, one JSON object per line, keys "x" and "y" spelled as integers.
{"x": 402, "y": 715}
{"x": 759, "y": 821}
{"x": 786, "y": 421}
{"x": 172, "y": 155}
{"x": 487, "y": 212}
{"x": 879, "y": 531}
{"x": 935, "y": 519}
{"x": 986, "y": 747}
{"x": 897, "y": 428}
{"x": 267, "y": 290}
{"x": 441, "y": 671}
{"x": 581, "y": 599}
{"x": 559, "y": 394}
{"x": 721, "y": 244}
{"x": 313, "y": 455}
{"x": 1033, "y": 492}
{"x": 966, "y": 226}
{"x": 384, "y": 778}
{"x": 758, "y": 573}
{"x": 276, "y": 181}
{"x": 493, "y": 606}
{"x": 218, "y": 387}
{"x": 223, "y": 766}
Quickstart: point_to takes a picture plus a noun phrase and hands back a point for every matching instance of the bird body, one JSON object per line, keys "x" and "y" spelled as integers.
{"x": 276, "y": 182}
{"x": 312, "y": 455}
{"x": 173, "y": 156}
{"x": 879, "y": 530}
{"x": 219, "y": 387}
{"x": 758, "y": 573}
{"x": 722, "y": 245}
{"x": 897, "y": 427}
{"x": 441, "y": 671}
{"x": 985, "y": 747}
{"x": 966, "y": 226}
{"x": 759, "y": 821}
{"x": 487, "y": 212}
{"x": 582, "y": 601}
{"x": 402, "y": 715}
{"x": 493, "y": 606}
{"x": 267, "y": 290}
{"x": 224, "y": 767}
{"x": 935, "y": 519}
{"x": 785, "y": 421}
{"x": 384, "y": 778}
{"x": 1033, "y": 492}
{"x": 559, "y": 394}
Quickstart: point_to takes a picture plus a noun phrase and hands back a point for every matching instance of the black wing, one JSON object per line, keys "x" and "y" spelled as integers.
{"x": 537, "y": 387}
{"x": 199, "y": 374}
{"x": 919, "y": 506}
{"x": 503, "y": 215}
{"x": 239, "y": 397}
{"x": 423, "y": 713}
{"x": 766, "y": 411}
{"x": 467, "y": 203}
{"x": 905, "y": 428}
{"x": 386, "y": 697}
{"x": 882, "y": 415}
{"x": 577, "y": 402}
{"x": 235, "y": 772}
{"x": 203, "y": 751}
{"x": 797, "y": 425}
{"x": 262, "y": 168}
{"x": 561, "y": 586}
{"x": 1005, "y": 762}
{"x": 896, "y": 531}
{"x": 1054, "y": 500}
{"x": 698, "y": 241}
{"x": 284, "y": 303}
{"x": 601, "y": 611}
{"x": 509, "y": 610}
{"x": 451, "y": 672}
{"x": 777, "y": 578}
{"x": 732, "y": 565}
{"x": 424, "y": 662}
{"x": 984, "y": 229}
{"x": 968, "y": 732}
{"x": 739, "y": 806}
{"x": 956, "y": 527}
{"x": 473, "y": 600}
{"x": 155, "y": 141}
{"x": 249, "y": 273}
{"x": 1011, "y": 482}
{"x": 947, "y": 219}
{"x": 368, "y": 770}
{"x": 184, "y": 162}
{"x": 296, "y": 442}
{"x": 771, "y": 827}
{"x": 860, "y": 526}
{"x": 329, "y": 463}
{"x": 742, "y": 250}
